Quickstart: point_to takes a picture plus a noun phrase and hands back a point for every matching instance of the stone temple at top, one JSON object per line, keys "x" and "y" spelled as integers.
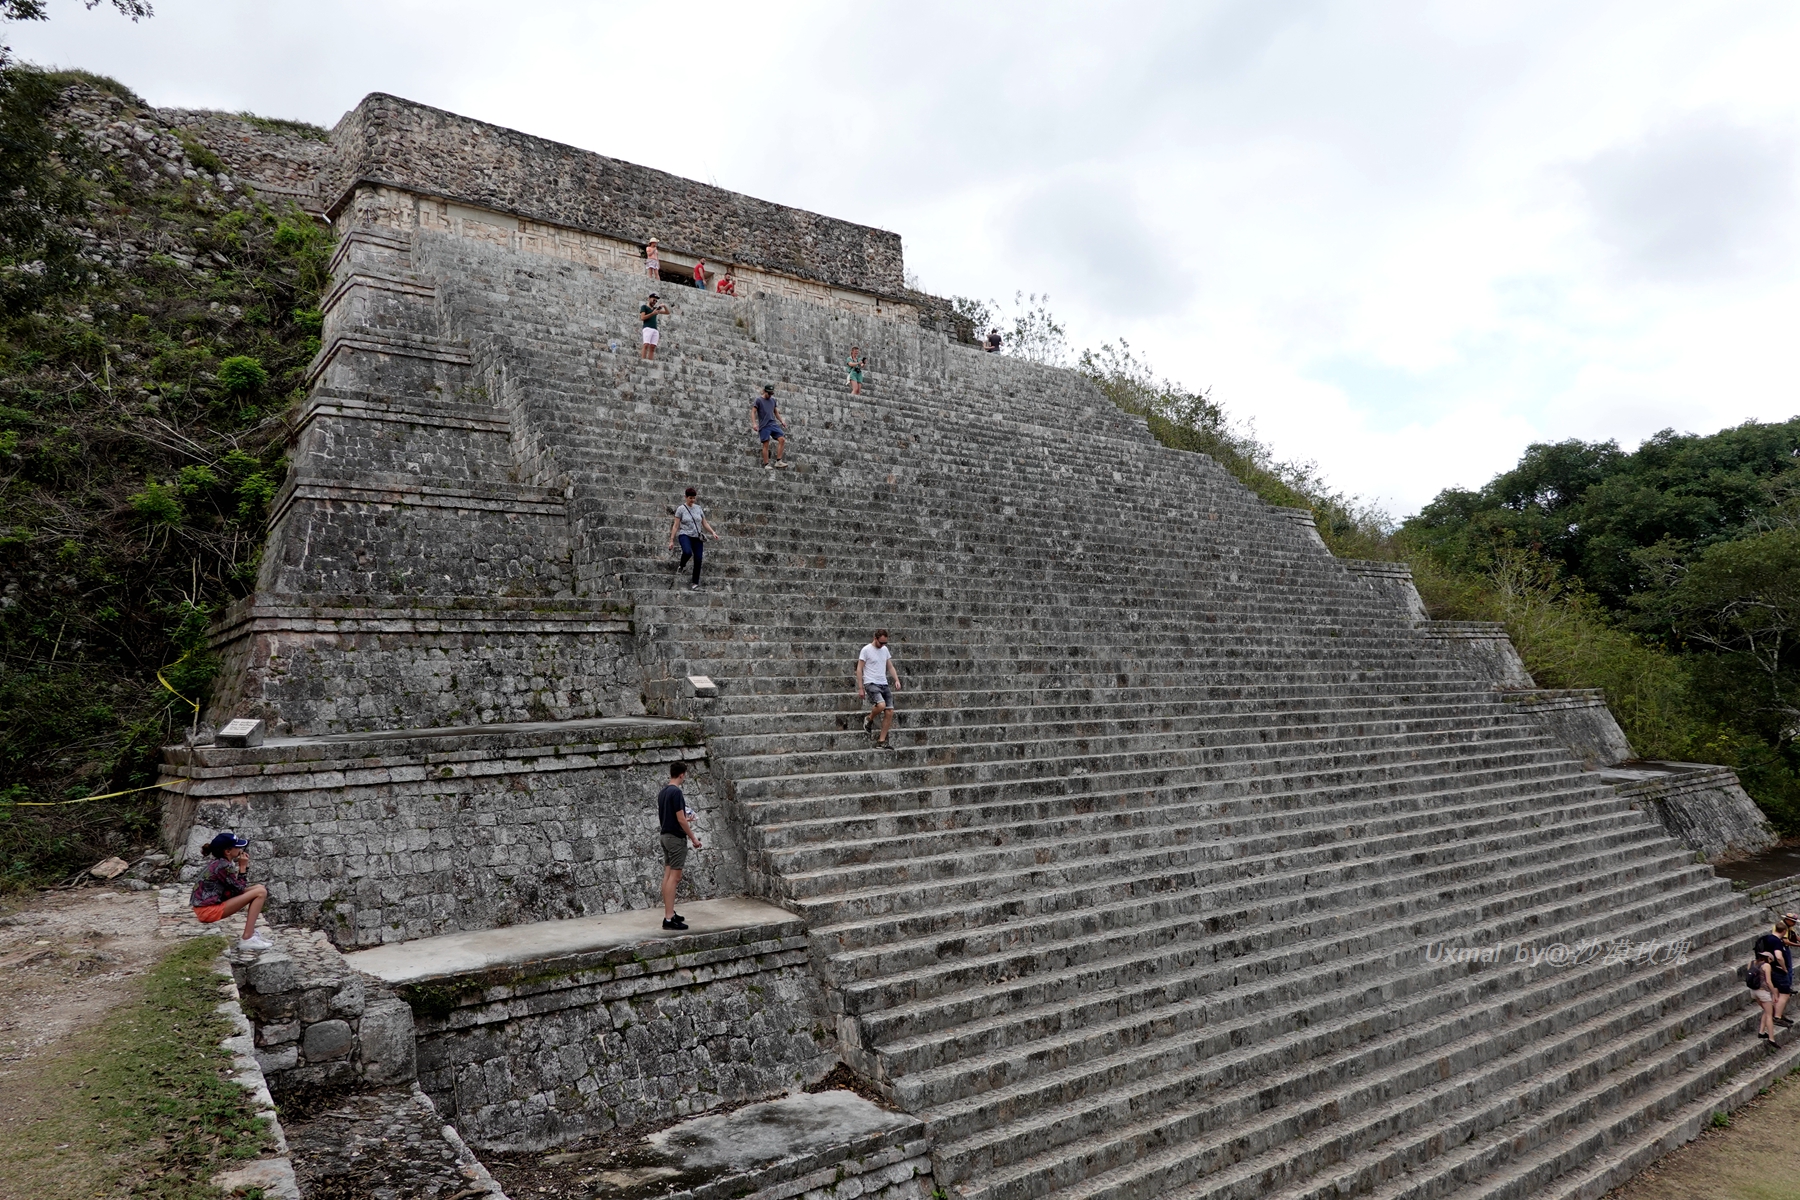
{"x": 1203, "y": 864}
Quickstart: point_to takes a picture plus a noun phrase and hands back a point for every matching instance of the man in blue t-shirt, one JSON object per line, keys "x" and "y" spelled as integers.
{"x": 677, "y": 831}
{"x": 765, "y": 423}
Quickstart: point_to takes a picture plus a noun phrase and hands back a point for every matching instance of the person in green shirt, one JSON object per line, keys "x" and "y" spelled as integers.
{"x": 855, "y": 367}
{"x": 648, "y": 311}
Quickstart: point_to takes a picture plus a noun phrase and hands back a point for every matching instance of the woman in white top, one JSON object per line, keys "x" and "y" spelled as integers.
{"x": 691, "y": 527}
{"x": 652, "y": 265}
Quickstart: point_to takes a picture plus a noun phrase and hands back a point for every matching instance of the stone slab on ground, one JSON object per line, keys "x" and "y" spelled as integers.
{"x": 823, "y": 1143}
{"x": 517, "y": 945}
{"x": 384, "y": 1144}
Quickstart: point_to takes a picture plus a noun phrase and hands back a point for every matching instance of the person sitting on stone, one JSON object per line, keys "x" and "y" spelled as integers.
{"x": 652, "y": 265}
{"x": 224, "y": 888}
{"x": 728, "y": 285}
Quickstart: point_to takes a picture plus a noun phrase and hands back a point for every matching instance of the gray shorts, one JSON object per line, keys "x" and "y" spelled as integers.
{"x": 879, "y": 693}
{"x": 674, "y": 851}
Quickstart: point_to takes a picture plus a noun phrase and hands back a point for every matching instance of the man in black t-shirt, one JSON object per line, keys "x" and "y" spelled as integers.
{"x": 677, "y": 832}
{"x": 1779, "y": 942}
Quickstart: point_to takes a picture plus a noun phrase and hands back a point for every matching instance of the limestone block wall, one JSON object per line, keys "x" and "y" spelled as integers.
{"x": 372, "y": 206}
{"x": 347, "y": 436}
{"x": 367, "y": 664}
{"x": 528, "y": 1057}
{"x": 392, "y": 536}
{"x": 317, "y": 1021}
{"x": 390, "y": 838}
{"x": 1485, "y": 649}
{"x": 1579, "y": 719}
{"x": 413, "y": 147}
{"x": 1393, "y": 582}
{"x": 282, "y": 162}
{"x": 1704, "y": 806}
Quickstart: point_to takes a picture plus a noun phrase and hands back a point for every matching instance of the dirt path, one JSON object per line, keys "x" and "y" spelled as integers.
{"x": 66, "y": 959}
{"x": 1755, "y": 1158}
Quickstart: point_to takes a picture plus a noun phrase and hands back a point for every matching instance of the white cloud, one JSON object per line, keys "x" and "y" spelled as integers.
{"x": 1407, "y": 239}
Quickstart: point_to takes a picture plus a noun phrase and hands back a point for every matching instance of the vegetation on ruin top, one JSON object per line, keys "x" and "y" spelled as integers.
{"x": 155, "y": 322}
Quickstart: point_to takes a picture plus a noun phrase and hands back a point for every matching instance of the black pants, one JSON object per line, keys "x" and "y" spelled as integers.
{"x": 694, "y": 548}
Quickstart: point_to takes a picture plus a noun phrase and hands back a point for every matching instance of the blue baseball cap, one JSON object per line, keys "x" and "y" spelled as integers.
{"x": 226, "y": 840}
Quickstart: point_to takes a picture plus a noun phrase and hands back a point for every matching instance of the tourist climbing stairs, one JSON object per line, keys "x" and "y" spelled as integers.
{"x": 1194, "y": 870}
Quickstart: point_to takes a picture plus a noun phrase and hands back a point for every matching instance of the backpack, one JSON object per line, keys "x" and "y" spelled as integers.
{"x": 1753, "y": 978}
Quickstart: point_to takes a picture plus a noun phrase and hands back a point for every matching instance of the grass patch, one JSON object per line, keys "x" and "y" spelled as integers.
{"x": 143, "y": 1104}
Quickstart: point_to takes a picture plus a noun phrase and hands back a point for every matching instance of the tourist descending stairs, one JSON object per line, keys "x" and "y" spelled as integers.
{"x": 1195, "y": 871}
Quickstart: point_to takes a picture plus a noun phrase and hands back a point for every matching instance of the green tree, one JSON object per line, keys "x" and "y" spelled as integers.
{"x": 1742, "y": 599}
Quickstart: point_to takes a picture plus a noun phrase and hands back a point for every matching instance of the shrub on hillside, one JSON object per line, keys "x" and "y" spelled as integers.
{"x": 242, "y": 374}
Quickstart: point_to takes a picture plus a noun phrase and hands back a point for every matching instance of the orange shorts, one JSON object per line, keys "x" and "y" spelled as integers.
{"x": 208, "y": 913}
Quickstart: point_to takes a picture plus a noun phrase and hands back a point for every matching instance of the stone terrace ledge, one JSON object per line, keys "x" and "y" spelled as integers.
{"x": 448, "y": 744}
{"x": 194, "y": 774}
{"x": 718, "y": 930}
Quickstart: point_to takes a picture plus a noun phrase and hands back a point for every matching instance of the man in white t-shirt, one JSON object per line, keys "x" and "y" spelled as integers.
{"x": 877, "y": 681}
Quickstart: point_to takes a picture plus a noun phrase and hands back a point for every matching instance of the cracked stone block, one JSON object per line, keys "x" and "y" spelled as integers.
{"x": 327, "y": 1040}
{"x": 388, "y": 1044}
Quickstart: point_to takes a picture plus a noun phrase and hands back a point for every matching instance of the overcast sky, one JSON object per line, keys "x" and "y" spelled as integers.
{"x": 1406, "y": 239}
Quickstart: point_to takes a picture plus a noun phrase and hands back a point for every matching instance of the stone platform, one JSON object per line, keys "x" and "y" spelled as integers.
{"x": 1703, "y": 805}
{"x": 488, "y": 952}
{"x": 531, "y": 1035}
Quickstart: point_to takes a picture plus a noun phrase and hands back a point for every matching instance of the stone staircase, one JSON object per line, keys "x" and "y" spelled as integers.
{"x": 1195, "y": 870}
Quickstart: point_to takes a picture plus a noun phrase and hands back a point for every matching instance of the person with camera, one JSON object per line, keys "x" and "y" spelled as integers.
{"x": 854, "y": 367}
{"x": 648, "y": 311}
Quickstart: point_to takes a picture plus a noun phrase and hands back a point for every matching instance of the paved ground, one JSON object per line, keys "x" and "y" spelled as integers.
{"x": 386, "y": 1144}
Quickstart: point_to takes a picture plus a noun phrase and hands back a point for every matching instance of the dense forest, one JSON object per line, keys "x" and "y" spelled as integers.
{"x": 155, "y": 320}
{"x": 1668, "y": 576}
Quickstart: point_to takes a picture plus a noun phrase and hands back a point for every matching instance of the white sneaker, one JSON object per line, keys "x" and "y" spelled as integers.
{"x": 259, "y": 942}
{"x": 768, "y": 466}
